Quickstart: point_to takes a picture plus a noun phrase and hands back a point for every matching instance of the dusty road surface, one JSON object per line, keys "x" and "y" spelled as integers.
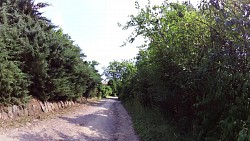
{"x": 100, "y": 121}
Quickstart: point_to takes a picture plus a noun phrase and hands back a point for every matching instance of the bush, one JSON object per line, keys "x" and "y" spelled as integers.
{"x": 194, "y": 66}
{"x": 39, "y": 60}
{"x": 150, "y": 124}
{"x": 106, "y": 91}
{"x": 13, "y": 84}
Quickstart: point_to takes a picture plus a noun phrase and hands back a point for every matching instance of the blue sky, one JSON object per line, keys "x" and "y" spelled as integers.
{"x": 92, "y": 24}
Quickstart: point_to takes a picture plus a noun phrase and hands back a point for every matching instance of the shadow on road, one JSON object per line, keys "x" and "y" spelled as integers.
{"x": 95, "y": 126}
{"x": 96, "y": 103}
{"x": 101, "y": 102}
{"x": 95, "y": 121}
{"x": 60, "y": 137}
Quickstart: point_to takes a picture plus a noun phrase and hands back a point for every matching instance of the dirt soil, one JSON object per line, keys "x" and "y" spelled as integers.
{"x": 98, "y": 121}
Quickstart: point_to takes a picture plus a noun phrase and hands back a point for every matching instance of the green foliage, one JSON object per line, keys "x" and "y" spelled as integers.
{"x": 119, "y": 74}
{"x": 38, "y": 60}
{"x": 106, "y": 91}
{"x": 13, "y": 84}
{"x": 194, "y": 67}
{"x": 149, "y": 123}
{"x": 113, "y": 85}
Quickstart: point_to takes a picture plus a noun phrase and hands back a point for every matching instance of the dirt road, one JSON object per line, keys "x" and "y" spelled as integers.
{"x": 100, "y": 121}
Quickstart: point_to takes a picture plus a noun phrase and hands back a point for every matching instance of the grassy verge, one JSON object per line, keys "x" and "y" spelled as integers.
{"x": 149, "y": 124}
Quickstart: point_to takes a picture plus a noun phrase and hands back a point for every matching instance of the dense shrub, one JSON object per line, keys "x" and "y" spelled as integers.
{"x": 38, "y": 59}
{"x": 13, "y": 84}
{"x": 194, "y": 66}
{"x": 106, "y": 91}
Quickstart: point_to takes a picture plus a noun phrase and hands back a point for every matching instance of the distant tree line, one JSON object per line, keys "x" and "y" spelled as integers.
{"x": 38, "y": 60}
{"x": 194, "y": 67}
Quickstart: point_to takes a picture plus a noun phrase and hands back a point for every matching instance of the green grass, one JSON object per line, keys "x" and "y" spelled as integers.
{"x": 149, "y": 124}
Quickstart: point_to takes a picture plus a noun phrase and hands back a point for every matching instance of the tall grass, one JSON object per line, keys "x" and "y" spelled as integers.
{"x": 149, "y": 123}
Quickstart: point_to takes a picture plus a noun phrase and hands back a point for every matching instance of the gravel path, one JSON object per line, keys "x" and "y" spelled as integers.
{"x": 100, "y": 121}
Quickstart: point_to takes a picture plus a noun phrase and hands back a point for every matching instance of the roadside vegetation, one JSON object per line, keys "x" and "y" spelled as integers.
{"x": 149, "y": 123}
{"x": 38, "y": 60}
{"x": 190, "y": 80}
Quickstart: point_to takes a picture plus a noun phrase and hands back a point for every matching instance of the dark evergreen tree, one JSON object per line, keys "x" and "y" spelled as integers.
{"x": 44, "y": 62}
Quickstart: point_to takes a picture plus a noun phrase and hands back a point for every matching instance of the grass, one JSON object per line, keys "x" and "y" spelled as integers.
{"x": 150, "y": 124}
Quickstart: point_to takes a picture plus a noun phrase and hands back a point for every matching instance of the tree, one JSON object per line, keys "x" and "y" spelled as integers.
{"x": 116, "y": 73}
{"x": 38, "y": 60}
{"x": 195, "y": 66}
{"x": 106, "y": 91}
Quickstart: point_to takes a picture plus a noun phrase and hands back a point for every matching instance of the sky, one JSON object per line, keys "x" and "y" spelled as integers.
{"x": 92, "y": 24}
